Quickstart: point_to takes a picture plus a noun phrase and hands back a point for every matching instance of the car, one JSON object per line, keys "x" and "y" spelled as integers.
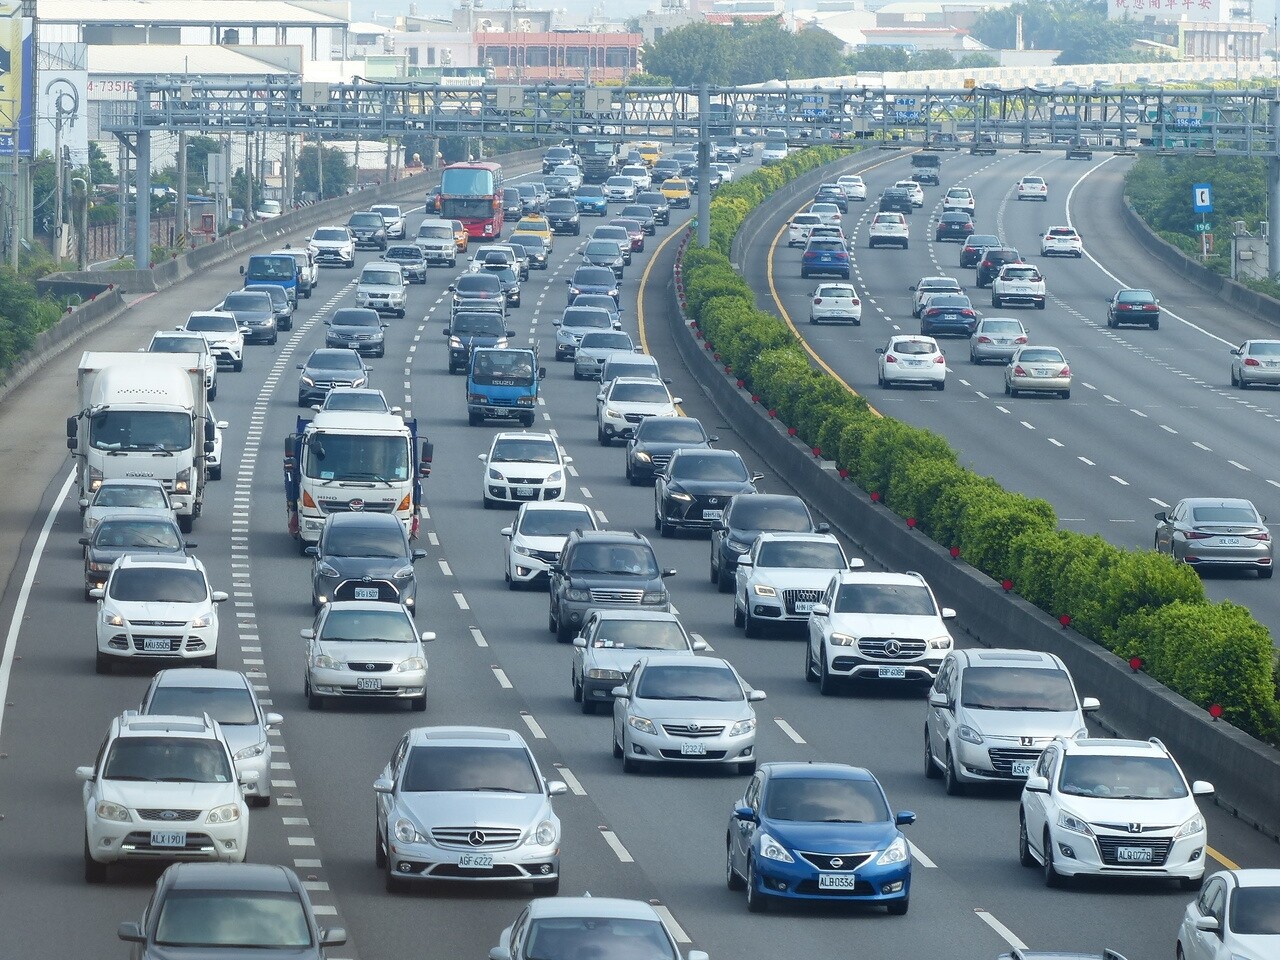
{"x": 974, "y": 246}
{"x": 213, "y": 458}
{"x": 537, "y": 224}
{"x": 959, "y": 199}
{"x": 1234, "y": 915}
{"x": 437, "y": 242}
{"x": 363, "y": 556}
{"x": 911, "y": 360}
{"x": 677, "y": 192}
{"x": 824, "y": 255}
{"x": 1032, "y": 188}
{"x": 1129, "y": 306}
{"x": 1038, "y": 369}
{"x": 1018, "y": 283}
{"x": 953, "y": 225}
{"x": 948, "y": 313}
{"x": 327, "y": 368}
{"x": 392, "y": 217}
{"x": 512, "y": 203}
{"x": 610, "y": 643}
{"x": 461, "y": 236}
{"x": 1082, "y": 798}
{"x": 357, "y": 328}
{"x": 1254, "y": 362}
{"x": 588, "y": 279}
{"x": 994, "y": 259}
{"x": 926, "y": 287}
{"x": 225, "y": 336}
{"x": 574, "y": 324}
{"x": 555, "y": 157}
{"x": 835, "y": 303}
{"x": 876, "y": 626}
{"x": 521, "y": 467}
{"x": 896, "y": 199}
{"x": 124, "y": 496}
{"x": 333, "y": 246}
{"x": 254, "y": 313}
{"x": 798, "y": 228}
{"x": 469, "y": 329}
{"x": 656, "y": 440}
{"x": 996, "y": 338}
{"x": 183, "y": 341}
{"x": 133, "y": 532}
{"x": 828, "y": 213}
{"x": 657, "y": 204}
{"x": 825, "y": 232}
{"x": 163, "y": 788}
{"x": 1061, "y": 241}
{"x": 674, "y": 708}
{"x": 495, "y": 254}
{"x": 832, "y": 193}
{"x": 638, "y": 174}
{"x": 601, "y": 568}
{"x": 364, "y": 649}
{"x": 410, "y": 259}
{"x": 478, "y": 291}
{"x": 650, "y": 153}
{"x": 621, "y": 235}
{"x": 351, "y": 398}
{"x": 691, "y": 490}
{"x": 466, "y": 804}
{"x": 558, "y": 185}
{"x": 634, "y": 229}
{"x": 774, "y": 151}
{"x": 746, "y": 518}
{"x": 156, "y": 608}
{"x": 991, "y": 711}
{"x": 572, "y": 173}
{"x": 627, "y": 365}
{"x": 626, "y": 401}
{"x": 620, "y": 189}
{"x": 530, "y": 197}
{"x": 596, "y": 347}
{"x": 571, "y": 928}
{"x": 533, "y": 247}
{"x": 888, "y": 229}
{"x": 368, "y": 229}
{"x": 723, "y": 171}
{"x": 727, "y": 150}
{"x": 1210, "y": 532}
{"x": 590, "y": 199}
{"x": 782, "y": 576}
{"x": 604, "y": 253}
{"x": 915, "y": 191}
{"x": 790, "y": 835}
{"x": 507, "y": 276}
{"x": 563, "y": 216}
{"x": 537, "y": 536}
{"x": 282, "y": 305}
{"x": 268, "y": 210}
{"x": 853, "y": 186}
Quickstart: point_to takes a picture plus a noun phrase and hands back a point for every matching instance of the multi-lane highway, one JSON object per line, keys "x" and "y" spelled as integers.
{"x": 657, "y": 836}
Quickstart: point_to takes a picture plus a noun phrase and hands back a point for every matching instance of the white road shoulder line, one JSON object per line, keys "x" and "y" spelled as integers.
{"x": 789, "y": 730}
{"x": 920, "y": 858}
{"x": 677, "y": 931}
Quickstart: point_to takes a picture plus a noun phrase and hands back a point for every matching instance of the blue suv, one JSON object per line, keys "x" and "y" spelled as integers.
{"x": 825, "y": 255}
{"x": 590, "y": 200}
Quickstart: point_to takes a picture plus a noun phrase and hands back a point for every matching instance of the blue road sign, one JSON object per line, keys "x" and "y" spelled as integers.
{"x": 1202, "y": 198}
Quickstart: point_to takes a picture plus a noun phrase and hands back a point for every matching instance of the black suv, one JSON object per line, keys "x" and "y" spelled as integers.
{"x": 745, "y": 518}
{"x": 563, "y": 216}
{"x": 601, "y": 568}
{"x": 971, "y": 252}
{"x": 896, "y": 200}
{"x": 474, "y": 328}
{"x": 691, "y": 490}
{"x": 368, "y": 229}
{"x": 993, "y": 259}
{"x": 656, "y": 439}
{"x": 832, "y": 193}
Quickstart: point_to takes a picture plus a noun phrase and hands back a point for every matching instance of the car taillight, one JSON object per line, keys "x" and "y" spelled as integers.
{"x": 817, "y": 300}
{"x": 984, "y": 339}
{"x": 890, "y": 358}
{"x": 856, "y": 301}
{"x": 1250, "y": 362}
{"x": 842, "y": 256}
{"x": 966, "y": 313}
{"x": 1257, "y": 536}
{"x": 809, "y": 255}
{"x": 1064, "y": 372}
{"x": 988, "y": 263}
{"x": 939, "y": 359}
{"x": 1197, "y": 535}
{"x": 1018, "y": 371}
{"x": 1020, "y": 340}
{"x": 1149, "y": 306}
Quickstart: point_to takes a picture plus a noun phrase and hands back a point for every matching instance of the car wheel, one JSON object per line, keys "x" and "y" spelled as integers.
{"x": 950, "y": 781}
{"x": 617, "y": 750}
{"x": 1066, "y": 394}
{"x": 739, "y": 619}
{"x": 813, "y": 320}
{"x": 474, "y": 419}
{"x": 603, "y": 438}
{"x": 551, "y": 618}
{"x": 237, "y": 365}
{"x": 102, "y": 663}
{"x": 974, "y": 359}
{"x": 259, "y": 802}
{"x": 302, "y": 401}
{"x": 1025, "y": 856}
{"x": 1052, "y": 878}
{"x": 564, "y": 633}
{"x": 898, "y": 908}
{"x": 931, "y": 771}
{"x": 804, "y": 274}
{"x": 1264, "y": 573}
{"x": 215, "y": 473}
{"x": 747, "y": 768}
{"x": 418, "y": 704}
{"x": 274, "y": 338}
{"x": 1190, "y": 884}
{"x": 826, "y": 682}
{"x": 1155, "y": 324}
{"x": 213, "y": 392}
{"x": 940, "y": 385}
{"x": 577, "y": 687}
{"x": 314, "y": 701}
{"x": 1040, "y": 304}
{"x": 995, "y": 301}
{"x": 752, "y": 625}
{"x": 724, "y": 580}
{"x": 588, "y": 705}
{"x": 628, "y": 764}
{"x": 731, "y": 878}
{"x": 756, "y": 902}
{"x": 486, "y": 503}
{"x": 1111, "y": 322}
{"x": 1235, "y": 381}
{"x": 379, "y": 854}
{"x": 94, "y": 872}
{"x": 665, "y": 529}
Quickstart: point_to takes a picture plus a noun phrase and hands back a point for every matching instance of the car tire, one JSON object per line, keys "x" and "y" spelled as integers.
{"x": 551, "y": 619}
{"x": 1235, "y": 381}
{"x": 418, "y": 704}
{"x": 486, "y": 503}
{"x": 995, "y": 301}
{"x": 940, "y": 385}
{"x": 1111, "y": 322}
{"x": 617, "y": 750}
{"x": 379, "y": 853}
{"x": 1065, "y": 394}
{"x": 732, "y": 880}
{"x": 725, "y": 581}
{"x": 1264, "y": 573}
{"x": 602, "y": 438}
{"x": 905, "y": 245}
{"x": 804, "y": 274}
{"x": 754, "y": 629}
{"x": 563, "y": 633}
{"x": 588, "y": 705}
{"x": 813, "y": 320}
{"x": 826, "y": 683}
{"x": 628, "y": 765}
{"x": 215, "y": 473}
{"x": 1052, "y": 878}
{"x": 1040, "y": 305}
{"x": 1155, "y": 324}
{"x": 474, "y": 419}
{"x": 931, "y": 771}
{"x": 756, "y": 902}
{"x": 739, "y": 619}
{"x": 102, "y": 664}
{"x": 665, "y": 529}
{"x": 898, "y": 908}
{"x": 274, "y": 338}
{"x": 950, "y": 782}
{"x": 1025, "y": 856}
{"x": 259, "y": 802}
{"x": 94, "y": 872}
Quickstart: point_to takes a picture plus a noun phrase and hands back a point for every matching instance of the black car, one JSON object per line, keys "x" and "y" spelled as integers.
{"x": 953, "y": 225}
{"x": 328, "y": 368}
{"x": 133, "y": 533}
{"x": 530, "y": 198}
{"x": 1134, "y": 306}
{"x": 745, "y": 518}
{"x": 563, "y": 216}
{"x": 832, "y": 193}
{"x": 655, "y": 201}
{"x": 357, "y": 328}
{"x": 971, "y": 252}
{"x": 368, "y": 229}
{"x": 588, "y": 279}
{"x": 213, "y": 911}
{"x": 535, "y": 249}
{"x": 558, "y": 186}
{"x": 690, "y": 492}
{"x": 482, "y": 287}
{"x": 363, "y": 556}
{"x": 604, "y": 253}
{"x": 512, "y": 204}
{"x": 642, "y": 214}
{"x": 896, "y": 200}
{"x": 656, "y": 439}
{"x": 412, "y": 262}
{"x": 254, "y": 313}
{"x": 474, "y": 328}
{"x": 508, "y": 277}
{"x": 948, "y": 314}
{"x": 993, "y": 260}
{"x": 603, "y": 568}
{"x": 555, "y": 157}
{"x": 688, "y": 161}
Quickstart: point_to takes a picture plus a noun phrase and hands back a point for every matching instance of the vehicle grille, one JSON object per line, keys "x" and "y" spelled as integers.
{"x": 499, "y": 871}
{"x": 861, "y": 888}
{"x": 157, "y": 813}
{"x": 1002, "y": 760}
{"x": 527, "y": 481}
{"x": 175, "y": 644}
{"x": 386, "y": 590}
{"x": 366, "y": 666}
{"x": 158, "y": 623}
{"x": 1159, "y": 851}
{"x": 617, "y": 596}
{"x": 792, "y": 597}
{"x": 660, "y": 460}
{"x": 489, "y": 837}
{"x": 547, "y": 556}
{"x": 344, "y": 506}
{"x": 636, "y": 417}
{"x": 690, "y": 730}
{"x": 849, "y": 861}
{"x": 677, "y": 755}
{"x": 875, "y": 647}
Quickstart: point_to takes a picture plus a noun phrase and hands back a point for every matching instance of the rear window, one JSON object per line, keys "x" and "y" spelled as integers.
{"x": 914, "y": 347}
{"x": 826, "y": 246}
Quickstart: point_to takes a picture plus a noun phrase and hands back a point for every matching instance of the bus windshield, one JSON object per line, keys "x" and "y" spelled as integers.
{"x": 467, "y": 182}
{"x": 474, "y": 208}
{"x": 336, "y": 456}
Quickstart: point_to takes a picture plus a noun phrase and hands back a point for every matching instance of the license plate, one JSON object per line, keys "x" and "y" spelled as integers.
{"x": 837, "y": 881}
{"x": 1229, "y": 541}
{"x": 1042, "y": 372}
{"x": 1022, "y": 768}
{"x": 916, "y": 363}
{"x": 156, "y": 645}
{"x": 712, "y": 514}
{"x": 524, "y": 491}
{"x": 368, "y": 683}
{"x": 476, "y": 861}
{"x": 893, "y": 673}
{"x": 803, "y": 606}
{"x": 366, "y": 593}
{"x": 168, "y": 838}
{"x": 693, "y": 749}
{"x": 1134, "y": 854}
{"x": 498, "y": 412}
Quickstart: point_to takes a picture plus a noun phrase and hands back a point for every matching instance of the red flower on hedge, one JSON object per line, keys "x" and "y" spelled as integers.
{"x": 755, "y": 398}
{"x": 844, "y": 474}
{"x": 791, "y": 431}
{"x": 773, "y": 414}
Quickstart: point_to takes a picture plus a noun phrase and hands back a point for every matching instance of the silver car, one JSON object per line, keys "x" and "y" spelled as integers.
{"x": 121, "y": 497}
{"x": 466, "y": 803}
{"x": 365, "y": 648}
{"x": 571, "y": 927}
{"x": 676, "y": 708}
{"x": 1255, "y": 361}
{"x": 595, "y": 348}
{"x": 1038, "y": 370}
{"x": 997, "y": 338}
{"x": 610, "y": 643}
{"x": 1209, "y": 531}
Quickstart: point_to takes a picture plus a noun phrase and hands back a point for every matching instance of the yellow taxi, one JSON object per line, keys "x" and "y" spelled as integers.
{"x": 460, "y": 235}
{"x": 649, "y": 153}
{"x": 539, "y": 225}
{"x": 676, "y": 191}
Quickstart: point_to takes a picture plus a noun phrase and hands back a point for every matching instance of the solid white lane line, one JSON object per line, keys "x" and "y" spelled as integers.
{"x": 616, "y": 846}
{"x": 789, "y": 730}
{"x": 918, "y": 855}
{"x": 478, "y": 637}
{"x": 677, "y": 931}
{"x": 574, "y": 784}
{"x": 1001, "y": 930}
{"x": 501, "y": 674}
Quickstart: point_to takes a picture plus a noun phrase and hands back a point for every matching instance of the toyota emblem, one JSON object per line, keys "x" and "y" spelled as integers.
{"x": 370, "y": 666}
{"x": 169, "y": 815}
{"x": 476, "y": 838}
{"x": 836, "y": 863}
{"x": 694, "y": 728}
{"x": 892, "y": 648}
{"x": 356, "y": 505}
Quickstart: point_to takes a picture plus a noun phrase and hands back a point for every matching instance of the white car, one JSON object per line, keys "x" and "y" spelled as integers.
{"x": 595, "y": 926}
{"x": 213, "y": 459}
{"x": 798, "y": 228}
{"x": 835, "y": 302}
{"x": 381, "y": 287}
{"x": 333, "y": 245}
{"x": 782, "y": 576}
{"x": 775, "y": 151}
{"x": 394, "y": 218}
{"x": 1061, "y": 242}
{"x": 638, "y": 173}
{"x": 536, "y": 538}
{"x": 365, "y": 648}
{"x": 1234, "y": 916}
{"x": 308, "y": 269}
{"x": 628, "y": 400}
{"x": 620, "y": 190}
{"x": 889, "y": 229}
{"x": 268, "y": 210}
{"x": 1032, "y": 188}
{"x": 958, "y": 198}
{"x": 926, "y": 287}
{"x": 225, "y": 336}
{"x": 163, "y": 788}
{"x": 611, "y": 641}
{"x": 1038, "y": 369}
{"x": 137, "y": 495}
{"x": 522, "y": 467}
{"x": 1018, "y": 283}
{"x": 853, "y": 186}
{"x": 157, "y": 608}
{"x": 869, "y": 626}
{"x": 571, "y": 172}
{"x": 911, "y": 359}
{"x": 913, "y": 188}
{"x": 725, "y": 170}
{"x": 189, "y": 341}
{"x": 1112, "y": 808}
{"x": 827, "y": 213}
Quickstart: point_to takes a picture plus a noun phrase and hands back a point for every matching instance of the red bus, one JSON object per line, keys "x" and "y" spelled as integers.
{"x": 472, "y": 193}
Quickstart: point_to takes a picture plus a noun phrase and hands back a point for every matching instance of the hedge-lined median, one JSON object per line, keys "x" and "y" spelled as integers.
{"x": 1136, "y": 603}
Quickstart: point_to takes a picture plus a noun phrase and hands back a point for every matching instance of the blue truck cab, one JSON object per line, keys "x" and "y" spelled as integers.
{"x": 503, "y": 385}
{"x": 280, "y": 269}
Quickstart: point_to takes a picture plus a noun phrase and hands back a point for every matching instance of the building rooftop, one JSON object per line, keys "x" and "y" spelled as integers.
{"x": 171, "y": 13}
{"x": 155, "y": 59}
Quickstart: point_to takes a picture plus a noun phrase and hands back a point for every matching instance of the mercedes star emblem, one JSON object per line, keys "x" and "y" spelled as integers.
{"x": 476, "y": 838}
{"x": 892, "y": 648}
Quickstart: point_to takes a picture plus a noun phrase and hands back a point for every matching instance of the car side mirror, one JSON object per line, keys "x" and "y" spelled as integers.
{"x": 580, "y": 642}
{"x": 333, "y": 936}
{"x": 97, "y": 593}
{"x": 130, "y": 932}
{"x": 755, "y": 696}
{"x": 1090, "y": 705}
{"x": 312, "y": 551}
{"x": 84, "y": 773}
{"x": 904, "y": 818}
{"x": 1202, "y": 788}
{"x": 948, "y": 613}
{"x": 242, "y": 270}
{"x": 307, "y": 633}
{"x": 509, "y": 333}
{"x": 821, "y": 610}
{"x": 275, "y": 720}
{"x": 557, "y": 788}
{"x": 426, "y": 636}
{"x": 1037, "y": 784}
{"x": 880, "y": 350}
{"x": 419, "y": 554}
{"x": 1162, "y": 516}
{"x": 84, "y": 541}
{"x": 542, "y": 373}
{"x": 1207, "y": 924}
{"x": 938, "y": 699}
{"x": 246, "y": 778}
{"x": 507, "y": 532}
{"x": 383, "y": 785}
{"x": 745, "y": 815}
{"x": 671, "y": 572}
{"x": 755, "y": 476}
{"x": 220, "y": 596}
{"x": 620, "y": 693}
{"x": 302, "y": 366}
{"x": 84, "y": 503}
{"x": 912, "y": 288}
{"x": 482, "y": 457}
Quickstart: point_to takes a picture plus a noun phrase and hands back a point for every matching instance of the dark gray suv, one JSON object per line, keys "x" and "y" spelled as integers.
{"x": 364, "y": 556}
{"x": 601, "y": 568}
{"x": 745, "y": 518}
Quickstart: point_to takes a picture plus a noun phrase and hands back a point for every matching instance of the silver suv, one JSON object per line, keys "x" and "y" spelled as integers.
{"x": 991, "y": 713}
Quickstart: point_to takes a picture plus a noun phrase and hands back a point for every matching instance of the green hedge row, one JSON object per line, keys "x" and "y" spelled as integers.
{"x": 1133, "y": 602}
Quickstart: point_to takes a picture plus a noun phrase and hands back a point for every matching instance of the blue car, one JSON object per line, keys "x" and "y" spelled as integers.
{"x": 588, "y": 280}
{"x": 818, "y": 831}
{"x": 591, "y": 200}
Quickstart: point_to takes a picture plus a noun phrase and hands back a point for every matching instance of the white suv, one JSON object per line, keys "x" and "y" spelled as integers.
{"x": 1112, "y": 808}
{"x": 798, "y": 228}
{"x": 628, "y": 400}
{"x": 883, "y": 626}
{"x": 157, "y": 607}
{"x": 958, "y": 198}
{"x": 1062, "y": 241}
{"x": 537, "y": 536}
{"x": 782, "y": 576}
{"x": 837, "y": 302}
{"x": 225, "y": 336}
{"x": 889, "y": 229}
{"x": 1018, "y": 283}
{"x": 521, "y": 467}
{"x": 913, "y": 188}
{"x": 854, "y": 188}
{"x": 163, "y": 788}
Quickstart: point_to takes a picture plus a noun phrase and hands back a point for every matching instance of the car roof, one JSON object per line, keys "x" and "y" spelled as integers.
{"x": 794, "y": 769}
{"x": 626, "y": 380}
{"x": 781, "y": 537}
{"x": 131, "y": 723}
{"x": 707, "y": 453}
{"x": 200, "y": 677}
{"x": 1255, "y": 877}
{"x": 359, "y": 518}
{"x": 523, "y": 435}
{"x": 1026, "y": 659}
{"x": 936, "y": 281}
{"x": 465, "y": 736}
{"x": 364, "y": 606}
{"x": 131, "y": 482}
{"x": 159, "y": 560}
{"x": 652, "y": 616}
{"x": 881, "y": 578}
{"x": 231, "y": 876}
{"x": 684, "y": 660}
{"x": 547, "y": 907}
{"x": 609, "y": 536}
{"x": 1107, "y": 746}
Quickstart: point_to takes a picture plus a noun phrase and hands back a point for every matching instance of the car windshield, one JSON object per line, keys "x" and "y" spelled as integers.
{"x": 1017, "y": 688}
{"x": 554, "y": 523}
{"x": 248, "y": 302}
{"x": 821, "y": 800}
{"x": 916, "y": 348}
{"x": 208, "y": 324}
{"x": 1003, "y": 328}
{"x": 952, "y": 300}
{"x": 813, "y": 555}
{"x": 637, "y": 213}
{"x": 167, "y": 759}
{"x": 956, "y": 217}
{"x": 355, "y": 400}
{"x": 836, "y": 293}
{"x": 708, "y": 466}
{"x": 824, "y": 245}
{"x": 957, "y": 193}
{"x": 158, "y": 585}
{"x": 1062, "y": 232}
{"x": 334, "y": 360}
{"x": 561, "y": 207}
{"x": 1121, "y": 777}
{"x": 357, "y": 317}
{"x": 631, "y": 559}
{"x": 365, "y": 220}
{"x": 680, "y": 682}
{"x": 388, "y": 212}
{"x": 941, "y": 283}
{"x": 368, "y": 626}
{"x": 249, "y": 919}
{"x": 478, "y": 325}
{"x": 272, "y": 267}
{"x": 130, "y": 495}
{"x": 442, "y": 769}
{"x": 478, "y": 283}
{"x": 619, "y": 182}
{"x": 330, "y": 233}
{"x": 804, "y": 220}
{"x": 586, "y": 318}
{"x": 278, "y": 297}
{"x": 900, "y": 599}
{"x": 1223, "y": 514}
{"x": 1268, "y": 348}
{"x": 137, "y": 534}
{"x": 435, "y": 231}
{"x": 1041, "y": 355}
{"x": 597, "y": 938}
{"x": 524, "y": 450}
{"x": 602, "y": 248}
{"x": 504, "y": 273}
{"x": 388, "y": 278}
{"x": 1032, "y": 181}
{"x": 641, "y": 635}
{"x": 502, "y": 368}
{"x": 359, "y": 540}
{"x": 606, "y": 341}
{"x": 628, "y": 368}
{"x": 1255, "y": 911}
{"x": 227, "y": 705}
{"x": 653, "y": 392}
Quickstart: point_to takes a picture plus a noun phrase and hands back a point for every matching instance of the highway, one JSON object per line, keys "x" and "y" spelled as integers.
{"x": 656, "y": 836}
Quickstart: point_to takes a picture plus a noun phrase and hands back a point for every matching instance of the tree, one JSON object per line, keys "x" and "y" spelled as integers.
{"x": 878, "y": 59}
{"x": 1079, "y": 28}
{"x": 337, "y": 172}
{"x": 974, "y": 61}
{"x": 100, "y": 169}
{"x": 643, "y": 79}
{"x": 739, "y": 53}
{"x": 198, "y": 150}
{"x": 690, "y": 54}
{"x": 931, "y": 60}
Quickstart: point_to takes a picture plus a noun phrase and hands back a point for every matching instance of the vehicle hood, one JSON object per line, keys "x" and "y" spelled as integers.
{"x": 253, "y": 316}
{"x": 154, "y": 952}
{"x": 459, "y": 809}
{"x": 367, "y": 287}
{"x": 544, "y": 544}
{"x": 362, "y": 651}
{"x": 1257, "y": 945}
{"x": 887, "y": 625}
{"x": 580, "y": 332}
{"x": 602, "y": 259}
{"x": 241, "y": 735}
{"x": 1169, "y": 814}
{"x": 354, "y": 330}
{"x": 149, "y": 610}
{"x": 112, "y": 554}
{"x": 376, "y": 567}
{"x": 832, "y": 837}
{"x": 1015, "y": 724}
{"x": 620, "y": 658}
{"x": 330, "y": 244}
{"x": 334, "y": 373}
{"x": 163, "y": 796}
{"x": 716, "y": 711}
{"x": 713, "y": 488}
{"x": 794, "y": 578}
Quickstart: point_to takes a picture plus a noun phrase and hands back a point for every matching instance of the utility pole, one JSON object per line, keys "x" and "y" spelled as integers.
{"x": 122, "y": 199}
{"x": 57, "y": 184}
{"x": 288, "y": 172}
{"x": 142, "y": 225}
{"x": 1273, "y": 198}
{"x": 182, "y": 228}
{"x": 80, "y": 213}
{"x": 704, "y": 166}
{"x": 248, "y": 176}
{"x": 319, "y": 167}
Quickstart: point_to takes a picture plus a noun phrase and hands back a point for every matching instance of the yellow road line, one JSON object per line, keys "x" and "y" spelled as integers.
{"x": 1225, "y": 861}
{"x": 644, "y": 282}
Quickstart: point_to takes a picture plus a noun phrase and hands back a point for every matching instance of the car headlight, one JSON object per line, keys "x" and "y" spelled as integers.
{"x": 574, "y": 291}
{"x": 896, "y": 852}
{"x": 1073, "y": 823}
{"x": 677, "y": 495}
{"x": 106, "y": 810}
{"x": 200, "y": 623}
{"x": 655, "y": 596}
{"x": 227, "y": 813}
{"x": 99, "y": 567}
{"x": 112, "y": 619}
{"x": 1081, "y": 734}
{"x": 968, "y": 734}
{"x": 404, "y": 573}
{"x": 322, "y": 661}
{"x": 406, "y": 832}
{"x": 494, "y": 474}
{"x": 182, "y": 482}
{"x": 643, "y": 457}
{"x": 642, "y": 724}
{"x": 842, "y": 640}
{"x": 737, "y": 547}
{"x": 360, "y": 381}
{"x": 601, "y": 674}
{"x": 577, "y": 595}
{"x": 248, "y": 753}
{"x": 410, "y": 664}
{"x": 501, "y": 343}
{"x": 941, "y": 643}
{"x": 326, "y": 570}
{"x": 771, "y": 849}
{"x": 612, "y": 413}
{"x": 1193, "y": 826}
{"x": 523, "y": 551}
{"x": 555, "y": 476}
{"x": 742, "y": 727}
{"x": 764, "y": 590}
{"x": 307, "y": 380}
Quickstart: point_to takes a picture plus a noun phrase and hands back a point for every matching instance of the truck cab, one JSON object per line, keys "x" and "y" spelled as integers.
{"x": 278, "y": 269}
{"x": 503, "y": 385}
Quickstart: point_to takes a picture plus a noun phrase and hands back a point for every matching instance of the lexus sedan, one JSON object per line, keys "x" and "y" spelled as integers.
{"x": 691, "y": 491}
{"x": 1255, "y": 361}
{"x": 1208, "y": 531}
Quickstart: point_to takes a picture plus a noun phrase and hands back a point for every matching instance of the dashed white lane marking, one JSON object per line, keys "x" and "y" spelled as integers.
{"x": 1056, "y": 443}
{"x": 918, "y": 855}
{"x": 1004, "y": 932}
{"x": 1027, "y": 425}
{"x": 601, "y": 518}
{"x": 1158, "y": 502}
{"x": 501, "y": 676}
{"x": 478, "y": 637}
{"x": 1168, "y": 429}
{"x": 1123, "y": 483}
{"x": 573, "y": 471}
{"x": 789, "y": 730}
{"x": 432, "y": 538}
{"x": 302, "y": 841}
{"x": 1137, "y": 411}
{"x": 445, "y": 568}
{"x": 1274, "y": 483}
{"x": 586, "y": 493}
{"x": 1086, "y": 461}
{"x": 677, "y": 931}
{"x": 616, "y": 846}
{"x": 574, "y": 784}
{"x": 1238, "y": 465}
{"x": 534, "y": 727}
{"x": 1197, "y": 443}
{"x": 461, "y": 601}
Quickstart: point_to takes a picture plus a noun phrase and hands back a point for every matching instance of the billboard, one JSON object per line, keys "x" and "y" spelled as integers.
{"x": 16, "y": 68}
{"x": 1193, "y": 11}
{"x": 62, "y": 100}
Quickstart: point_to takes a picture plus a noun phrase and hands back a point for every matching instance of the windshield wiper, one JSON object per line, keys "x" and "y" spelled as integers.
{"x": 180, "y": 780}
{"x": 371, "y": 476}
{"x": 840, "y": 820}
{"x": 128, "y": 777}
